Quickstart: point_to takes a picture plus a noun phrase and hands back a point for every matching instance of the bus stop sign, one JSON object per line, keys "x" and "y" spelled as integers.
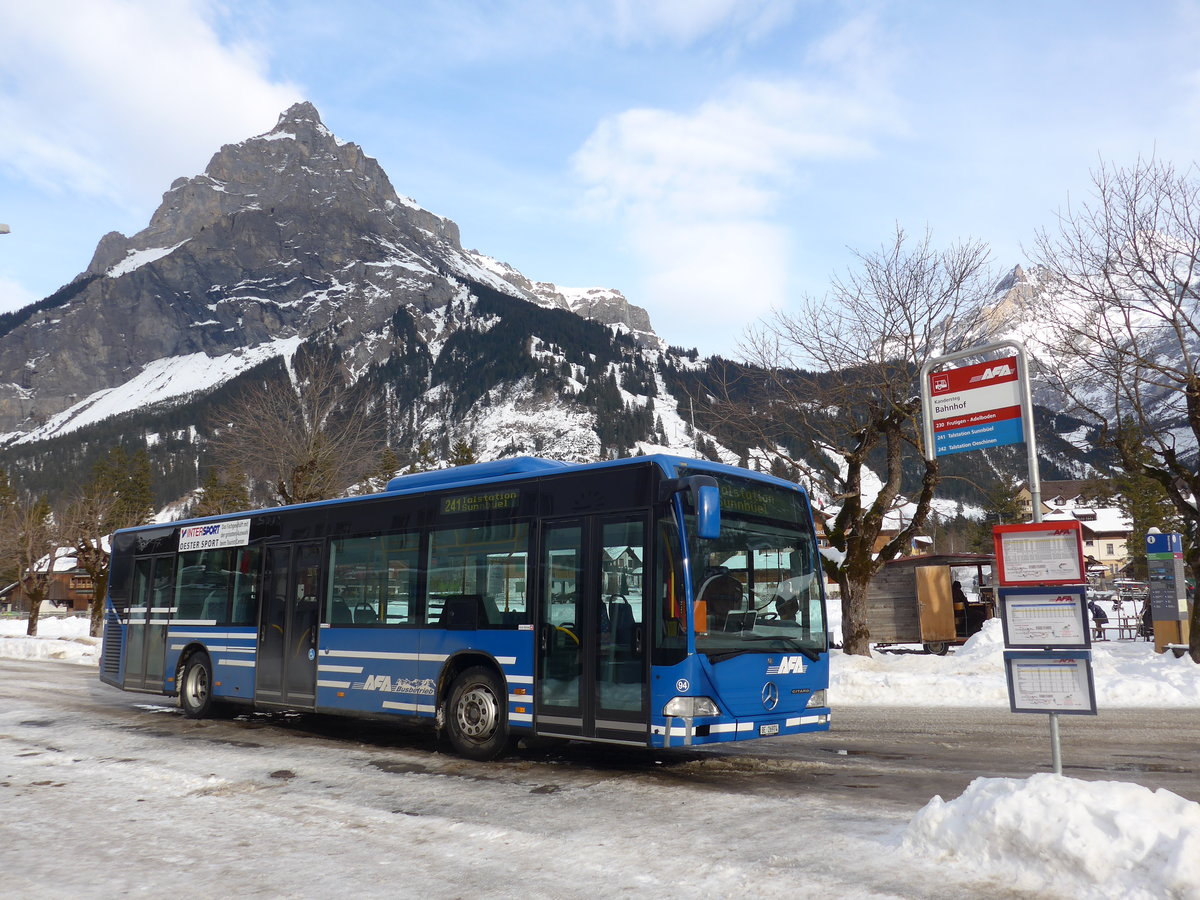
{"x": 976, "y": 406}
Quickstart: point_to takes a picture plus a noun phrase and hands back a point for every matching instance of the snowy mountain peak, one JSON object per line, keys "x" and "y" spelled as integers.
{"x": 291, "y": 234}
{"x": 300, "y": 119}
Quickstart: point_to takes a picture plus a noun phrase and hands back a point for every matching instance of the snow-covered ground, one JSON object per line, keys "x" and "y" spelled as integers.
{"x": 1049, "y": 835}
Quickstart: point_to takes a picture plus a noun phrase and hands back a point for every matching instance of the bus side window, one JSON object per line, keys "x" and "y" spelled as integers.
{"x": 202, "y": 586}
{"x": 245, "y": 581}
{"x": 490, "y": 562}
{"x": 374, "y": 580}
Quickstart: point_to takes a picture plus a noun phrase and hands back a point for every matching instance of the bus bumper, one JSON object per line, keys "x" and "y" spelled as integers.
{"x": 686, "y": 732}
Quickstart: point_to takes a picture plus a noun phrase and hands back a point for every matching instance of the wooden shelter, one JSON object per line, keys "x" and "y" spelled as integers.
{"x": 911, "y": 600}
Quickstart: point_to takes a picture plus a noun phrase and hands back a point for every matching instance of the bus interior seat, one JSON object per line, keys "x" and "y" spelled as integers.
{"x": 365, "y": 615}
{"x": 622, "y": 622}
{"x": 491, "y": 611}
{"x": 244, "y": 607}
{"x": 462, "y": 611}
{"x": 214, "y": 606}
{"x": 191, "y": 602}
{"x": 339, "y": 613}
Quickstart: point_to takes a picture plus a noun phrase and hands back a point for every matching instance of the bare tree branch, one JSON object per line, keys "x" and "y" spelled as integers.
{"x": 831, "y": 390}
{"x": 1123, "y": 326}
{"x": 304, "y": 439}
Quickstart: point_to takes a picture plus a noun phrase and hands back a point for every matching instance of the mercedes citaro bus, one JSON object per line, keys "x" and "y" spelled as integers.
{"x": 654, "y": 601}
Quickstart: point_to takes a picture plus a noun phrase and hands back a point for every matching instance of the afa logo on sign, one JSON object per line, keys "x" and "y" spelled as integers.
{"x": 1001, "y": 371}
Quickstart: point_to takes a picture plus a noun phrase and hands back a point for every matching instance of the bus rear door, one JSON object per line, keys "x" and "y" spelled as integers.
{"x": 288, "y": 625}
{"x": 146, "y": 622}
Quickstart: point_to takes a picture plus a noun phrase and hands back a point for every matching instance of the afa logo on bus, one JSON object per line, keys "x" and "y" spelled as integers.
{"x": 789, "y": 665}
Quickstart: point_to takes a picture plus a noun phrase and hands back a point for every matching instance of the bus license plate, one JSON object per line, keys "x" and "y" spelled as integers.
{"x": 764, "y": 730}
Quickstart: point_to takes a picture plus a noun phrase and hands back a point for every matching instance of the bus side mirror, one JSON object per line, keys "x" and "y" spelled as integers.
{"x": 706, "y": 501}
{"x": 708, "y": 512}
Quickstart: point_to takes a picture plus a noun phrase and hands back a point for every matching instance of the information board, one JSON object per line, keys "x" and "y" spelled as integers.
{"x": 1050, "y": 681}
{"x": 1045, "y": 553}
{"x": 1045, "y": 617}
{"x": 1168, "y": 584}
{"x": 977, "y": 406}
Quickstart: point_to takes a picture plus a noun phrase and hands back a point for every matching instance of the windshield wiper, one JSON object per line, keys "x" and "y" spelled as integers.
{"x": 719, "y": 655}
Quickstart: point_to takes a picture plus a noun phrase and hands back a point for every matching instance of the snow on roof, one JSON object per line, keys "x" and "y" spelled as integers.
{"x": 64, "y": 561}
{"x": 1098, "y": 520}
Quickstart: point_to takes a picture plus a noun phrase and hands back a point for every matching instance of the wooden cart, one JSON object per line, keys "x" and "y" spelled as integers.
{"x": 911, "y": 600}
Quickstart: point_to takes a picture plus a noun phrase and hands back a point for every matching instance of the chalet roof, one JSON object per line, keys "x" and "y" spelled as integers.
{"x": 1083, "y": 491}
{"x": 1097, "y": 520}
{"x": 945, "y": 559}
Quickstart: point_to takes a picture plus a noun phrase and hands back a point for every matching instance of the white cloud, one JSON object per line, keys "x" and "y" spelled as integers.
{"x": 12, "y": 294}
{"x": 708, "y": 197}
{"x": 684, "y": 22}
{"x": 712, "y": 278}
{"x": 117, "y": 99}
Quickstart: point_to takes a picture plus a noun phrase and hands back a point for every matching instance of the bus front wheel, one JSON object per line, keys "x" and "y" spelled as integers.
{"x": 195, "y": 687}
{"x": 477, "y": 715}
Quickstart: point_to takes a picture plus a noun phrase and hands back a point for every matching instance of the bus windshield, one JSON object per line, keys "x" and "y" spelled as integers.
{"x": 757, "y": 587}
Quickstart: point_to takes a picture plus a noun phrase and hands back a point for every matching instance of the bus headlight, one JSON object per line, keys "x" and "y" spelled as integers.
{"x": 690, "y": 708}
{"x": 817, "y": 698}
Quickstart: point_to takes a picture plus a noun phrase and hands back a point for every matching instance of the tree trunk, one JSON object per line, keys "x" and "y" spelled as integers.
{"x": 856, "y": 636}
{"x": 1193, "y": 560}
{"x": 99, "y": 591}
{"x": 35, "y": 610}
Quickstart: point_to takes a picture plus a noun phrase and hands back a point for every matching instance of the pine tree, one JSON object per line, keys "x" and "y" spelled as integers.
{"x": 385, "y": 470}
{"x": 461, "y": 454}
{"x": 425, "y": 460}
{"x": 1142, "y": 499}
{"x": 1000, "y": 508}
{"x": 222, "y": 492}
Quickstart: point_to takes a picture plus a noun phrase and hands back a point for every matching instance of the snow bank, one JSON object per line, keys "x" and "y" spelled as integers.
{"x": 1127, "y": 674}
{"x": 1072, "y": 838}
{"x": 64, "y": 638}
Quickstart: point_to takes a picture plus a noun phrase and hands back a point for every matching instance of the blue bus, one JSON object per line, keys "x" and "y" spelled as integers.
{"x": 654, "y": 601}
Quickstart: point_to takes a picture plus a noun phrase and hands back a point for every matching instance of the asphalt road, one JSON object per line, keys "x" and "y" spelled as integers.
{"x": 898, "y": 756}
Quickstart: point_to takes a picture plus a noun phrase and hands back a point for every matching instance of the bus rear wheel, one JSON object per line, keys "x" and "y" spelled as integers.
{"x": 477, "y": 715}
{"x": 195, "y": 687}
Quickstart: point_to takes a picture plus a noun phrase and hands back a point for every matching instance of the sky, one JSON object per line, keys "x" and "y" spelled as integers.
{"x": 1044, "y": 835}
{"x": 715, "y": 160}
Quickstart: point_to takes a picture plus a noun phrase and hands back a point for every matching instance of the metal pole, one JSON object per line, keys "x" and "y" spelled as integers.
{"x": 1035, "y": 495}
{"x": 1055, "y": 745}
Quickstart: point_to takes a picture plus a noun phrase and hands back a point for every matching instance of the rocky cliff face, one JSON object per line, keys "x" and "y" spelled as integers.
{"x": 288, "y": 234}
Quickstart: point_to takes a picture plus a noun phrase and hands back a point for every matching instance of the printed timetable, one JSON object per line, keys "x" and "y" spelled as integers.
{"x": 1042, "y": 553}
{"x": 1041, "y": 682}
{"x": 1044, "y": 617}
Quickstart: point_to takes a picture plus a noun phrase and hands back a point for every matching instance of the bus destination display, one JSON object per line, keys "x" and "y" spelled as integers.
{"x": 485, "y": 502}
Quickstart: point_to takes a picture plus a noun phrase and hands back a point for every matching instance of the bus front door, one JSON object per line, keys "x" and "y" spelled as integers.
{"x": 288, "y": 627}
{"x": 592, "y": 664}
